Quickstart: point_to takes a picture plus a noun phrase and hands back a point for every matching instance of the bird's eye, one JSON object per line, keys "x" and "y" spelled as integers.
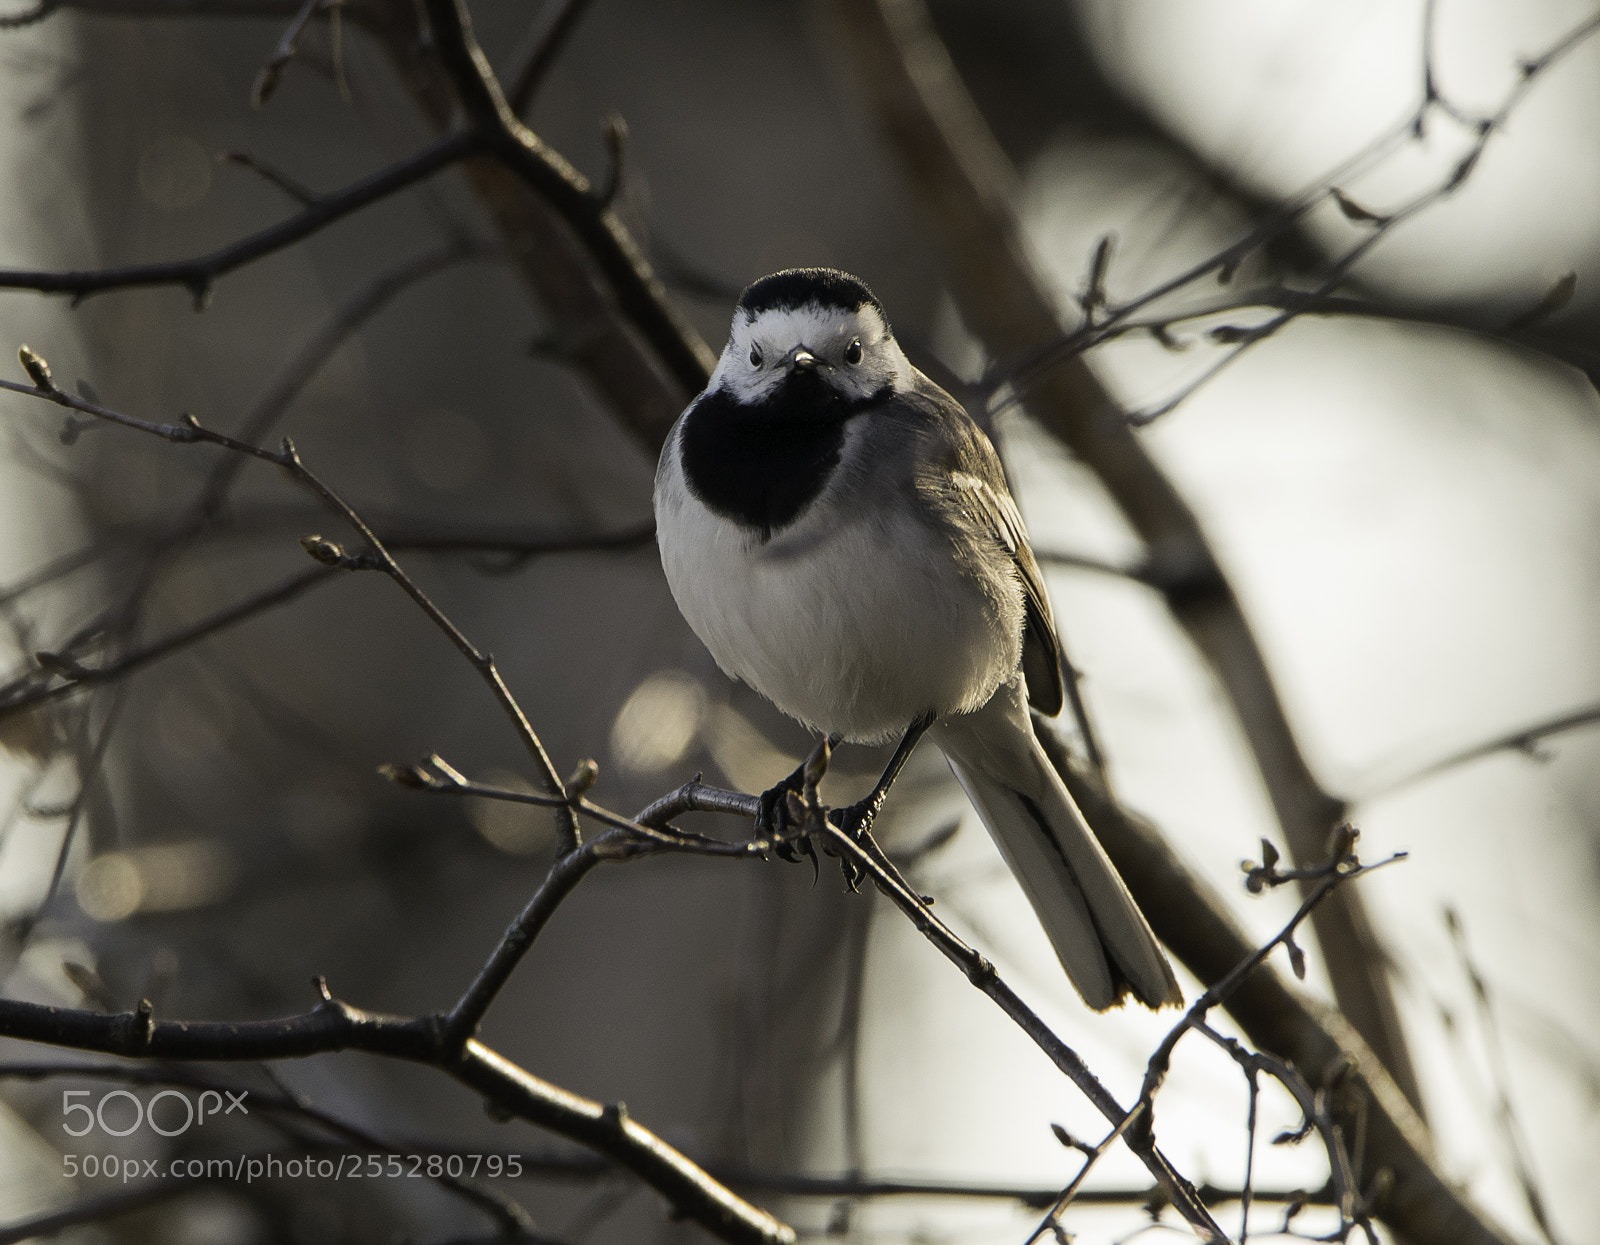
{"x": 852, "y": 352}
{"x": 755, "y": 356}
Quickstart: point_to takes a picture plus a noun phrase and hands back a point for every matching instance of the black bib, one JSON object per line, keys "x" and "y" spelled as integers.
{"x": 760, "y": 466}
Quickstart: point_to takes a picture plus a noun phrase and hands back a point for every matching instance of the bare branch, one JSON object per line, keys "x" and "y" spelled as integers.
{"x": 641, "y": 357}
{"x": 638, "y": 291}
{"x": 1353, "y": 1206}
{"x": 316, "y": 350}
{"x": 552, "y": 26}
{"x": 1526, "y": 739}
{"x": 1424, "y": 1205}
{"x": 90, "y": 773}
{"x": 272, "y": 72}
{"x": 70, "y": 676}
{"x": 64, "y": 673}
{"x": 483, "y": 663}
{"x": 981, "y": 973}
{"x": 1087, "y": 562}
{"x": 298, "y": 191}
{"x": 335, "y": 1026}
{"x": 1560, "y": 48}
{"x": 185, "y": 8}
{"x": 626, "y": 839}
{"x": 1341, "y": 867}
{"x": 511, "y": 1217}
{"x": 697, "y": 797}
{"x": 1074, "y": 1189}
{"x": 965, "y": 181}
{"x": 868, "y": 1187}
{"x": 199, "y": 274}
{"x": 517, "y": 546}
{"x": 1114, "y": 320}
{"x": 463, "y": 1020}
{"x": 1500, "y": 1071}
{"x": 868, "y": 860}
{"x": 377, "y": 558}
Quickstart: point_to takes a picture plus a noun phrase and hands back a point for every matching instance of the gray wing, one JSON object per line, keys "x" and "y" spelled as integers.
{"x": 972, "y": 477}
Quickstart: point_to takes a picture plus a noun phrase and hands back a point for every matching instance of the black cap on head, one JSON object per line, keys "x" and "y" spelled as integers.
{"x": 798, "y": 287}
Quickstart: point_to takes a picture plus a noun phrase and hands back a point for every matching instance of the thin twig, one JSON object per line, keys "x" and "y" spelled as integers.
{"x": 1353, "y": 1208}
{"x": 870, "y": 860}
{"x": 313, "y": 353}
{"x": 1524, "y": 739}
{"x": 336, "y": 1026}
{"x": 518, "y": 547}
{"x": 198, "y": 275}
{"x": 483, "y": 663}
{"x": 272, "y": 71}
{"x": 552, "y": 26}
{"x": 638, "y": 291}
{"x": 625, "y": 839}
{"x": 1341, "y": 866}
{"x": 965, "y": 180}
{"x": 201, "y": 514}
{"x": 88, "y": 776}
{"x": 377, "y": 556}
{"x": 1114, "y": 321}
{"x": 296, "y": 190}
{"x": 1500, "y": 1073}
{"x": 1424, "y": 1205}
{"x": 1253, "y": 1082}
{"x": 1051, "y": 1221}
{"x": 66, "y": 673}
{"x": 70, "y": 676}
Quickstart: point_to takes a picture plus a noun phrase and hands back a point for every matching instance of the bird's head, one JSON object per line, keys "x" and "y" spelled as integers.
{"x": 809, "y": 336}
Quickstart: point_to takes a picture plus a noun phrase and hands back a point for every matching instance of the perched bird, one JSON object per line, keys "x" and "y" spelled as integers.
{"x": 839, "y": 534}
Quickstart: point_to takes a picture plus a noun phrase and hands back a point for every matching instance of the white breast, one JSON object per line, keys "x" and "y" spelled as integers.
{"x": 855, "y": 625}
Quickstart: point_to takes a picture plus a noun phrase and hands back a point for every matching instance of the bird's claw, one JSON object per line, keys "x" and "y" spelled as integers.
{"x": 854, "y": 822}
{"x": 780, "y": 822}
{"x": 788, "y": 809}
{"x": 772, "y": 820}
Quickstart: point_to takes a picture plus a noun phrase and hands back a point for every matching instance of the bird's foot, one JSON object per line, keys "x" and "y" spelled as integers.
{"x": 855, "y": 822}
{"x": 782, "y": 818}
{"x": 788, "y": 812}
{"x": 773, "y": 822}
{"x": 855, "y": 819}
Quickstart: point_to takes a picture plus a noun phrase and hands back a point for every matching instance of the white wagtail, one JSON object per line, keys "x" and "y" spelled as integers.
{"x": 838, "y": 532}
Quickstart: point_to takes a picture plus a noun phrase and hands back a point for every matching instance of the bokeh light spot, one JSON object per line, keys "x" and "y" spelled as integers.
{"x": 658, "y": 722}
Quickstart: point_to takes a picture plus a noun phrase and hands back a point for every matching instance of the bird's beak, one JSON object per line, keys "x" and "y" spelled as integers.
{"x": 802, "y": 361}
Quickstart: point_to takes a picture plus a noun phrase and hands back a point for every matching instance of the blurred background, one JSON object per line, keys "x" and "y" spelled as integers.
{"x": 1406, "y": 501}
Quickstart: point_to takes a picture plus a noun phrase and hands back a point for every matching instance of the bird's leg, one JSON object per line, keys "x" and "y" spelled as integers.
{"x": 772, "y": 822}
{"x": 857, "y": 819}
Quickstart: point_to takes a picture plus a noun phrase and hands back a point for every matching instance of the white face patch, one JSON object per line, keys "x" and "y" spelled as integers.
{"x": 760, "y": 350}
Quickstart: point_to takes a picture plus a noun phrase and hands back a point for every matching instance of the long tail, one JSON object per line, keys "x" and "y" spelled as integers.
{"x": 1097, "y": 930}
